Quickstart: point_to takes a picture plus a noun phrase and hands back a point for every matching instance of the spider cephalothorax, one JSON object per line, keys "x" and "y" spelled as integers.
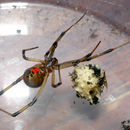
{"x": 37, "y": 75}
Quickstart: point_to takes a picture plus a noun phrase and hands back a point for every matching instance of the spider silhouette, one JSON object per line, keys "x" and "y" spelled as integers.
{"x": 37, "y": 75}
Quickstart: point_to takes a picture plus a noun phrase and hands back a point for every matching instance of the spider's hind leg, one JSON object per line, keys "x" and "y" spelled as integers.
{"x": 106, "y": 52}
{"x": 31, "y": 103}
{"x": 88, "y": 57}
{"x": 77, "y": 61}
{"x": 53, "y": 78}
{"x": 11, "y": 85}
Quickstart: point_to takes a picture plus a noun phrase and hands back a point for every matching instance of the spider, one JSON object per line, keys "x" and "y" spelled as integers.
{"x": 37, "y": 75}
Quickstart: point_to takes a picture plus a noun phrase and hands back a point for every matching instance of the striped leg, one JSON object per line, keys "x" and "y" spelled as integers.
{"x": 10, "y": 86}
{"x": 87, "y": 58}
{"x": 77, "y": 61}
{"x": 50, "y": 52}
{"x": 31, "y": 59}
{"x": 106, "y": 52}
{"x": 31, "y": 103}
{"x": 53, "y": 79}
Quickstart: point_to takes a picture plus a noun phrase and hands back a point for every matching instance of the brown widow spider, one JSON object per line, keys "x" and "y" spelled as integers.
{"x": 37, "y": 75}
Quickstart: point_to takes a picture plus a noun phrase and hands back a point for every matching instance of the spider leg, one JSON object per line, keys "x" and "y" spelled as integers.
{"x": 11, "y": 85}
{"x": 106, "y": 52}
{"x": 30, "y": 59}
{"x": 53, "y": 79}
{"x": 87, "y": 58}
{"x": 31, "y": 103}
{"x": 50, "y": 52}
{"x": 77, "y": 61}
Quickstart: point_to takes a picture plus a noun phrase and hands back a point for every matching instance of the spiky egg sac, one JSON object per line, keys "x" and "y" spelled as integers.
{"x": 89, "y": 81}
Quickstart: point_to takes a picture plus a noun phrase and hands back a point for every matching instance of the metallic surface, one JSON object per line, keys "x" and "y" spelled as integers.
{"x": 27, "y": 25}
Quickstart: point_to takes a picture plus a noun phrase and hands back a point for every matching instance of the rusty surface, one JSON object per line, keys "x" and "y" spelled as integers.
{"x": 29, "y": 25}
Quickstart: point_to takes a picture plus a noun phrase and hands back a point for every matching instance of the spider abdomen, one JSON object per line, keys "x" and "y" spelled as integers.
{"x": 33, "y": 77}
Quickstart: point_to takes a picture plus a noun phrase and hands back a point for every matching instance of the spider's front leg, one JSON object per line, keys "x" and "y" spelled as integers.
{"x": 11, "y": 85}
{"x": 31, "y": 59}
{"x": 32, "y": 102}
{"x": 49, "y": 54}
